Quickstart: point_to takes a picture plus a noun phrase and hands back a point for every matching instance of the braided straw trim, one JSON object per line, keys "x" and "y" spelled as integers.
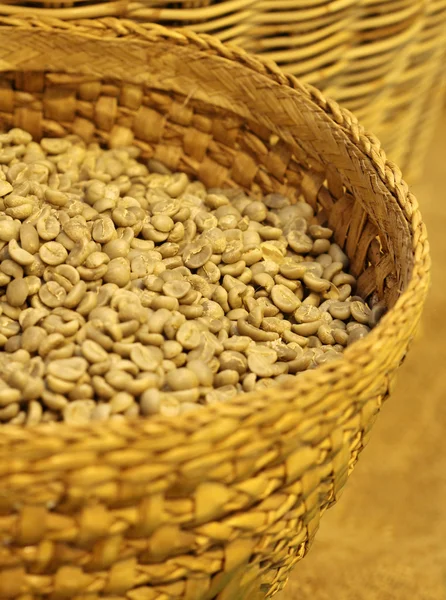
{"x": 176, "y": 509}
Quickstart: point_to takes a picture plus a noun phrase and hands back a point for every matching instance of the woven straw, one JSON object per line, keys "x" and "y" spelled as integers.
{"x": 382, "y": 59}
{"x": 223, "y": 502}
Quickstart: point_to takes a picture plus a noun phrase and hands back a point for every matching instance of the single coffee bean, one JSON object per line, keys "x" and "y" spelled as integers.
{"x": 299, "y": 242}
{"x": 176, "y": 289}
{"x": 181, "y": 379}
{"x": 146, "y": 358}
{"x": 340, "y": 310}
{"x": 359, "y": 310}
{"x": 70, "y": 369}
{"x": 20, "y": 256}
{"x": 9, "y": 230}
{"x": 17, "y": 292}
{"x": 307, "y": 314}
{"x": 29, "y": 238}
{"x": 48, "y": 228}
{"x": 53, "y": 253}
{"x": 79, "y": 412}
{"x": 121, "y": 402}
{"x": 188, "y": 335}
{"x": 93, "y": 352}
{"x": 284, "y": 298}
{"x": 376, "y": 315}
{"x": 52, "y": 294}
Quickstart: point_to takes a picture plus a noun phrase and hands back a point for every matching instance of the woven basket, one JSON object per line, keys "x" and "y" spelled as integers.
{"x": 223, "y": 502}
{"x": 382, "y": 59}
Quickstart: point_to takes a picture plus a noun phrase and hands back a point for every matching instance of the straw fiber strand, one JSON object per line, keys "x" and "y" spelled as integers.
{"x": 218, "y": 504}
{"x": 382, "y": 59}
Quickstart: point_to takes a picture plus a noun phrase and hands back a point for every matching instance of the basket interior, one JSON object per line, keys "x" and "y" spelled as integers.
{"x": 215, "y": 145}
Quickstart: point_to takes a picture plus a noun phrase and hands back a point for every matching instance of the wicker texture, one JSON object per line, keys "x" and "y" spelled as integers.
{"x": 382, "y": 59}
{"x": 221, "y": 503}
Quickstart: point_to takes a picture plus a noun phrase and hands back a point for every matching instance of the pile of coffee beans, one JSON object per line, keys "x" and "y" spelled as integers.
{"x": 129, "y": 290}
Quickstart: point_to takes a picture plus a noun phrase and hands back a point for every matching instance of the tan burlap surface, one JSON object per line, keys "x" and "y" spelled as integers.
{"x": 386, "y": 538}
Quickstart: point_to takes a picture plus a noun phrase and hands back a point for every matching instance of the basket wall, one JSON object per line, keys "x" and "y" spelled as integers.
{"x": 218, "y": 504}
{"x": 382, "y": 59}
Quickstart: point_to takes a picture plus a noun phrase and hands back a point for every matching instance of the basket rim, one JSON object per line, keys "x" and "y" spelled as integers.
{"x": 360, "y": 353}
{"x": 120, "y": 7}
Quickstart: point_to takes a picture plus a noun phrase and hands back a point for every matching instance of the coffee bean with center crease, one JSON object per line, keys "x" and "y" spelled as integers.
{"x": 196, "y": 254}
{"x": 52, "y": 294}
{"x": 53, "y": 253}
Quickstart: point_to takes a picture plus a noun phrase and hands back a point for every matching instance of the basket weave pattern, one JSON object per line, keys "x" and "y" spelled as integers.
{"x": 382, "y": 59}
{"x": 221, "y": 503}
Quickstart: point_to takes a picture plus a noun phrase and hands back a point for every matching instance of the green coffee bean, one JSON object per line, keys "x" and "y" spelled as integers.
{"x": 101, "y": 412}
{"x": 234, "y": 361}
{"x": 299, "y": 242}
{"x": 58, "y": 385}
{"x": 146, "y": 358}
{"x": 20, "y": 256}
{"x": 118, "y": 272}
{"x": 56, "y": 197}
{"x": 70, "y": 369}
{"x": 332, "y": 270}
{"x": 307, "y": 328}
{"x": 189, "y": 335}
{"x": 344, "y": 292}
{"x": 53, "y": 253}
{"x": 121, "y": 402}
{"x": 307, "y": 314}
{"x": 292, "y": 270}
{"x": 320, "y": 246}
{"x": 176, "y": 289}
{"x": 17, "y": 292}
{"x": 226, "y": 377}
{"x": 344, "y": 278}
{"x": 284, "y": 298}
{"x": 325, "y": 260}
{"x": 313, "y": 299}
{"x": 376, "y": 314}
{"x": 261, "y": 361}
{"x": 340, "y": 310}
{"x": 9, "y": 396}
{"x": 315, "y": 284}
{"x": 52, "y": 294}
{"x": 9, "y": 230}
{"x": 356, "y": 334}
{"x": 325, "y": 335}
{"x": 264, "y": 280}
{"x": 275, "y": 324}
{"x": 29, "y": 238}
{"x": 150, "y": 402}
{"x": 33, "y": 283}
{"x": 196, "y": 254}
{"x": 340, "y": 337}
{"x": 48, "y": 228}
{"x": 181, "y": 379}
{"x": 93, "y": 352}
{"x": 5, "y": 188}
{"x": 338, "y": 255}
{"x": 79, "y": 412}
{"x": 318, "y": 232}
{"x": 359, "y": 310}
